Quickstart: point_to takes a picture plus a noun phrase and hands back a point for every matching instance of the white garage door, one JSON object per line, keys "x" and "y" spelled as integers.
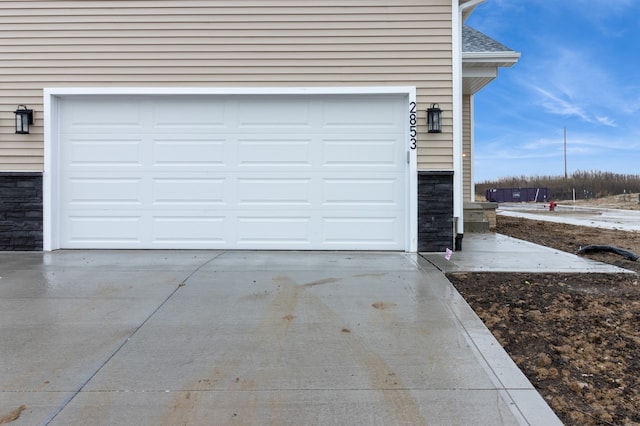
{"x": 316, "y": 172}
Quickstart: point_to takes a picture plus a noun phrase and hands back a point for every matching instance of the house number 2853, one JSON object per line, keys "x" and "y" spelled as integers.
{"x": 413, "y": 122}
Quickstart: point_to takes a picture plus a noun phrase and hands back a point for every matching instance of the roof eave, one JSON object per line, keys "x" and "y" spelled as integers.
{"x": 481, "y": 68}
{"x": 491, "y": 59}
{"x": 468, "y": 6}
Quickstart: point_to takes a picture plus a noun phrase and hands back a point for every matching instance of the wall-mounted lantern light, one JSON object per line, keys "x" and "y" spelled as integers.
{"x": 434, "y": 119}
{"x": 24, "y": 118}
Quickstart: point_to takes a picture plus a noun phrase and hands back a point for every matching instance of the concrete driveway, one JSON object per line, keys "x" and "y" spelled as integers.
{"x": 202, "y": 337}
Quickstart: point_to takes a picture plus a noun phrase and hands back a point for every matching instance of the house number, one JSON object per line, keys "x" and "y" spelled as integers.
{"x": 413, "y": 122}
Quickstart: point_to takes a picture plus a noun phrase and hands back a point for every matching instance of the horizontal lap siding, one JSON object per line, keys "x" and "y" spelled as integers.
{"x": 222, "y": 43}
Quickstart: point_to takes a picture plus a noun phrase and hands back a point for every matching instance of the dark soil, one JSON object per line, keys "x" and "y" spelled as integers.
{"x": 575, "y": 336}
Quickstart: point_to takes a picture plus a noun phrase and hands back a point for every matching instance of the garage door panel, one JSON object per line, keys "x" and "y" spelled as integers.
{"x": 282, "y": 151}
{"x": 271, "y": 231}
{"x": 89, "y": 231}
{"x": 189, "y": 192}
{"x": 360, "y": 114}
{"x": 378, "y": 231}
{"x": 359, "y": 192}
{"x": 117, "y": 150}
{"x": 186, "y": 151}
{"x": 180, "y": 230}
{"x": 271, "y": 172}
{"x": 193, "y": 114}
{"x": 371, "y": 152}
{"x": 114, "y": 115}
{"x": 263, "y": 113}
{"x": 104, "y": 191}
{"x": 273, "y": 191}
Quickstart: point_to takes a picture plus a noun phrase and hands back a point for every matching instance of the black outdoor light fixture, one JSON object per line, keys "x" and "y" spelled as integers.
{"x": 24, "y": 118}
{"x": 434, "y": 119}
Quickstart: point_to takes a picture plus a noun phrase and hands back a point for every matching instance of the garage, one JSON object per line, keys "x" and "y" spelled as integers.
{"x": 292, "y": 171}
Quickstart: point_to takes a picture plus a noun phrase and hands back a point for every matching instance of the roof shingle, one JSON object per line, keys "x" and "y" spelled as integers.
{"x": 473, "y": 41}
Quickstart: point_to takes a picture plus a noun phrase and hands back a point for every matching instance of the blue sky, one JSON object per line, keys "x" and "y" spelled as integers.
{"x": 580, "y": 68}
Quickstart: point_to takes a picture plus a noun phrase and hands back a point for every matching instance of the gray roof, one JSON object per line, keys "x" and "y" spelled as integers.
{"x": 473, "y": 41}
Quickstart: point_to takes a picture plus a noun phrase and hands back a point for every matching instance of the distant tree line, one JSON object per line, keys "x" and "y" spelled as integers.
{"x": 592, "y": 184}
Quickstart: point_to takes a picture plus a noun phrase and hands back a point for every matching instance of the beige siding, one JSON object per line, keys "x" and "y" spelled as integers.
{"x": 467, "y": 135}
{"x": 220, "y": 43}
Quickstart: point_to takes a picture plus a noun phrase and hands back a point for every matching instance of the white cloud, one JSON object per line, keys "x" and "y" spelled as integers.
{"x": 576, "y": 83}
{"x": 545, "y": 144}
{"x": 565, "y": 107}
{"x": 606, "y": 121}
{"x": 632, "y": 106}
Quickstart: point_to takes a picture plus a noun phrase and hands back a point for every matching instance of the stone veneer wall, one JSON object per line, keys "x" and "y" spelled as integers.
{"x": 20, "y": 211}
{"x": 435, "y": 211}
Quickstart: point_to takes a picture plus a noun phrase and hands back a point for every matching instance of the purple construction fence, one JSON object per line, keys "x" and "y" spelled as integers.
{"x": 515, "y": 195}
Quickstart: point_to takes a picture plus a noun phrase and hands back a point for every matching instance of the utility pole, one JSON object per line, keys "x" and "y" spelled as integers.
{"x": 565, "y": 153}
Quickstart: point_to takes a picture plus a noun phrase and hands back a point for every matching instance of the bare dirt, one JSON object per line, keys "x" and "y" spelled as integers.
{"x": 575, "y": 336}
{"x": 629, "y": 201}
